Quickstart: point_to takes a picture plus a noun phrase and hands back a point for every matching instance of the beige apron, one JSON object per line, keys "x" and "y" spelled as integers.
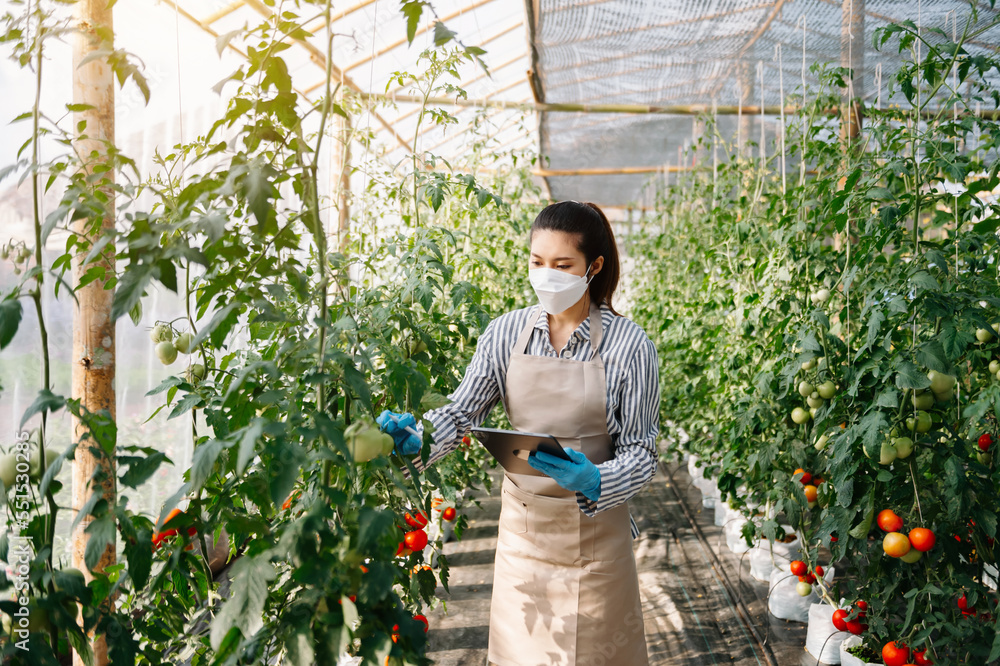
{"x": 565, "y": 590}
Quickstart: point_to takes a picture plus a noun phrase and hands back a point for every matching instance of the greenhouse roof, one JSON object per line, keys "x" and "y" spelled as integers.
{"x": 652, "y": 57}
{"x": 609, "y": 52}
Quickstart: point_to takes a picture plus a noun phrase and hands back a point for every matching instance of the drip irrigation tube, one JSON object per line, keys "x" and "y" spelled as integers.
{"x": 735, "y": 598}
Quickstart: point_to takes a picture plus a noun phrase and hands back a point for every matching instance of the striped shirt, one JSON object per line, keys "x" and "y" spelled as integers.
{"x": 633, "y": 396}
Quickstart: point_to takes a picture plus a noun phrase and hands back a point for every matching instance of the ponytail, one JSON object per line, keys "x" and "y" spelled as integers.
{"x": 595, "y": 238}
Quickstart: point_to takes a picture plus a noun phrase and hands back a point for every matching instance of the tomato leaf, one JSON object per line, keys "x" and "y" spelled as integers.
{"x": 140, "y": 468}
{"x": 45, "y": 402}
{"x": 995, "y": 651}
{"x": 248, "y": 445}
{"x": 203, "y": 463}
{"x": 101, "y": 533}
{"x": 10, "y": 319}
{"x": 909, "y": 376}
{"x": 243, "y": 609}
{"x": 931, "y": 355}
{"x": 372, "y": 524}
{"x": 954, "y": 340}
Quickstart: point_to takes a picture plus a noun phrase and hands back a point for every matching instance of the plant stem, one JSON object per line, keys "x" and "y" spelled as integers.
{"x": 916, "y": 492}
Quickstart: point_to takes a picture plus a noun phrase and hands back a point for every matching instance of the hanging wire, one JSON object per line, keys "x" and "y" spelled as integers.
{"x": 368, "y": 128}
{"x": 715, "y": 153}
{"x": 802, "y": 157}
{"x": 763, "y": 152}
{"x": 781, "y": 133}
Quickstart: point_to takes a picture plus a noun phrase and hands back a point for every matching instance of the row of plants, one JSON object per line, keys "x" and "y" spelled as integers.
{"x": 293, "y": 339}
{"x": 829, "y": 345}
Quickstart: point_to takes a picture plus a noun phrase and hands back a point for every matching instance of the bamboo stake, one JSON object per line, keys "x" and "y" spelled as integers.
{"x": 93, "y": 368}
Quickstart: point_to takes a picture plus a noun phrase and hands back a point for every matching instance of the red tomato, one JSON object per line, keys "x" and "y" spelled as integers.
{"x": 402, "y": 550}
{"x": 291, "y": 498}
{"x": 416, "y": 520}
{"x": 922, "y": 539}
{"x": 861, "y": 604}
{"x": 799, "y": 568}
{"x": 963, "y": 603}
{"x": 416, "y": 540}
{"x": 895, "y": 655}
{"x": 889, "y": 521}
{"x": 833, "y": 539}
{"x": 449, "y": 514}
{"x": 421, "y": 618}
{"x": 985, "y": 441}
{"x": 818, "y": 570}
{"x": 921, "y": 659}
{"x": 839, "y": 620}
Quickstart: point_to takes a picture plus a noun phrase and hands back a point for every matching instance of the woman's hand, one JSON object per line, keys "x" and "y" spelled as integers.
{"x": 577, "y": 474}
{"x": 404, "y": 431}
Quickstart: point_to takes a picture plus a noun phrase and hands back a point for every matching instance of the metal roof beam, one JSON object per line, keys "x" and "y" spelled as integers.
{"x": 319, "y": 58}
{"x": 426, "y": 28}
{"x": 463, "y": 84}
{"x": 222, "y": 13}
{"x": 657, "y": 49}
{"x": 671, "y": 24}
{"x": 758, "y": 33}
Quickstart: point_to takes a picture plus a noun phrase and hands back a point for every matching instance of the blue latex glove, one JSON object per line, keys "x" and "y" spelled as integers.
{"x": 577, "y": 474}
{"x": 404, "y": 431}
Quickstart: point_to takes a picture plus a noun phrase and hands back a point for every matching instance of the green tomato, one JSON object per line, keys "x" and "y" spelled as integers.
{"x": 821, "y": 296}
{"x": 365, "y": 441}
{"x": 804, "y": 589}
{"x": 160, "y": 333}
{"x": 924, "y": 401}
{"x": 8, "y": 470}
{"x": 827, "y": 390}
{"x": 36, "y": 470}
{"x": 815, "y": 401}
{"x": 821, "y": 443}
{"x": 922, "y": 422}
{"x": 947, "y": 396}
{"x": 903, "y": 446}
{"x": 800, "y": 415}
{"x": 913, "y": 556}
{"x": 994, "y": 367}
{"x": 809, "y": 365}
{"x": 940, "y": 382}
{"x": 805, "y": 389}
{"x": 166, "y": 352}
{"x": 195, "y": 373}
{"x": 984, "y": 457}
{"x": 38, "y": 620}
{"x": 887, "y": 454}
{"x": 183, "y": 343}
{"x": 984, "y": 334}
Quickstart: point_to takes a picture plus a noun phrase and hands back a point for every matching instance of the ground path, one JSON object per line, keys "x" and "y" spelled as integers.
{"x": 689, "y": 596}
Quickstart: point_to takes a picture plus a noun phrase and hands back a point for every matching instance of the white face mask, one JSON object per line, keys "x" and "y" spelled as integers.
{"x": 557, "y": 290}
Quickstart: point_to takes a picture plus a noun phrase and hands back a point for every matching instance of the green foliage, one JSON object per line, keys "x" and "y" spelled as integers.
{"x": 297, "y": 333}
{"x": 869, "y": 273}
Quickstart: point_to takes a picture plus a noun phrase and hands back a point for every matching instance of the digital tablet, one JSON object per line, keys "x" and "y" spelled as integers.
{"x": 511, "y": 448}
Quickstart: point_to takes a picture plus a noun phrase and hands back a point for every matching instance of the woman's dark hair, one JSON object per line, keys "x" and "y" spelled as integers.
{"x": 594, "y": 239}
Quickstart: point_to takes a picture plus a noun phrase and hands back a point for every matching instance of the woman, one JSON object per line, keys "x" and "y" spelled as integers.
{"x": 565, "y": 589}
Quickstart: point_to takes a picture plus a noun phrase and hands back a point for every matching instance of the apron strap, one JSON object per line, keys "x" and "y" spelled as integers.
{"x": 596, "y": 331}
{"x": 522, "y": 340}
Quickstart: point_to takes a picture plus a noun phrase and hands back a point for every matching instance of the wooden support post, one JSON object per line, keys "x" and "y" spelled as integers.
{"x": 852, "y": 55}
{"x": 745, "y": 94}
{"x": 93, "y": 367}
{"x": 342, "y": 173}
